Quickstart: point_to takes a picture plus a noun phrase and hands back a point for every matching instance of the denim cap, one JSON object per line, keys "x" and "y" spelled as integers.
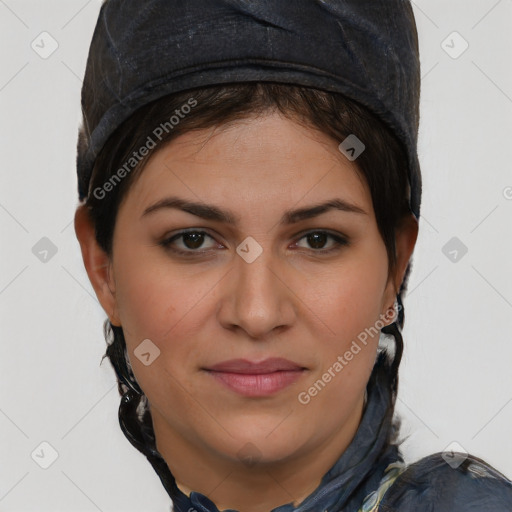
{"x": 142, "y": 50}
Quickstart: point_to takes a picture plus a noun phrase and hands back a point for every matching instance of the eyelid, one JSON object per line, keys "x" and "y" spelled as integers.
{"x": 168, "y": 239}
{"x": 340, "y": 241}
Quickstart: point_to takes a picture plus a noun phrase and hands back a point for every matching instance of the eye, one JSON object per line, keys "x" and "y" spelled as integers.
{"x": 317, "y": 240}
{"x": 192, "y": 240}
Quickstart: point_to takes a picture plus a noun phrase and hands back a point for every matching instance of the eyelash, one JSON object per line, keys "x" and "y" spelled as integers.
{"x": 340, "y": 242}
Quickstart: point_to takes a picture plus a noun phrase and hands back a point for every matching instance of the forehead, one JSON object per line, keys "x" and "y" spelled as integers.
{"x": 259, "y": 161}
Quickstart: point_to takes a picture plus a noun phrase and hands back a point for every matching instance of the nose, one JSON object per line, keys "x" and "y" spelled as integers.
{"x": 257, "y": 298}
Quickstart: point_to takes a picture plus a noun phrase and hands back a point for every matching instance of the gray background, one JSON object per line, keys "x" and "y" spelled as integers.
{"x": 455, "y": 379}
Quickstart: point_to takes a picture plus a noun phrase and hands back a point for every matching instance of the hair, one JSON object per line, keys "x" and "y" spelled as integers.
{"x": 383, "y": 165}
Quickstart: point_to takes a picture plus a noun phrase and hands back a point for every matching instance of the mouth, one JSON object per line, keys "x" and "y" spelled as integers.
{"x": 256, "y": 379}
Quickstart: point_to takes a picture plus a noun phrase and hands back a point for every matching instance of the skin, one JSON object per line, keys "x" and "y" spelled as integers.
{"x": 290, "y": 302}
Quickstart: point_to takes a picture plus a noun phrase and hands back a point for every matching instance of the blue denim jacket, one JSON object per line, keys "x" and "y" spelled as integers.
{"x": 371, "y": 474}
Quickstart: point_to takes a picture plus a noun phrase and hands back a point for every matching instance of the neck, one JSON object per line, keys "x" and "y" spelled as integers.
{"x": 233, "y": 484}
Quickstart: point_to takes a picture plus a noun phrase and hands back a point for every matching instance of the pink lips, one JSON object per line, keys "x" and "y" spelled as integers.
{"x": 256, "y": 379}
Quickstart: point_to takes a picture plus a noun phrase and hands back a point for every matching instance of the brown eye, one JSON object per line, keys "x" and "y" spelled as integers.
{"x": 191, "y": 241}
{"x": 317, "y": 240}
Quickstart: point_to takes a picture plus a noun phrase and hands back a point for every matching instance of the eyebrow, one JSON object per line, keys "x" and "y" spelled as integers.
{"x": 214, "y": 213}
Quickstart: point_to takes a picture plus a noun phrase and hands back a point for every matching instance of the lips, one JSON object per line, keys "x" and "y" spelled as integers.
{"x": 253, "y": 379}
{"x": 244, "y": 366}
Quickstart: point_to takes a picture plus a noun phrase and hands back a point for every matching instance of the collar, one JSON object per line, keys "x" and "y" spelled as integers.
{"x": 354, "y": 475}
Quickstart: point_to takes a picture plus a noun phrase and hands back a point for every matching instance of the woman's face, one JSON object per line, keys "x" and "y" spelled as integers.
{"x": 265, "y": 272}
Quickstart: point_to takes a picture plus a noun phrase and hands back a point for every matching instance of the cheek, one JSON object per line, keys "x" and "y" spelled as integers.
{"x": 351, "y": 308}
{"x": 149, "y": 293}
{"x": 160, "y": 302}
{"x": 354, "y": 298}
{"x": 166, "y": 309}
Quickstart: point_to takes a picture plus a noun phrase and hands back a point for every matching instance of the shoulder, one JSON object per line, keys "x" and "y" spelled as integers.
{"x": 455, "y": 483}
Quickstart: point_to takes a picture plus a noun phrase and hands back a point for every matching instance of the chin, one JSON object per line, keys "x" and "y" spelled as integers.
{"x": 260, "y": 452}
{"x": 269, "y": 443}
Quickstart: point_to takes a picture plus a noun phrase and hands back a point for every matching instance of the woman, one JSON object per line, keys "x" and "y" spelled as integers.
{"x": 251, "y": 195}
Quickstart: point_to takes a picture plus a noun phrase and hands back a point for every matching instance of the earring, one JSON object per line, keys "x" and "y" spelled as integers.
{"x": 129, "y": 396}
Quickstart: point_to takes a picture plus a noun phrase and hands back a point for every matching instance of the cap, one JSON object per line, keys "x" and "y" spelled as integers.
{"x": 142, "y": 50}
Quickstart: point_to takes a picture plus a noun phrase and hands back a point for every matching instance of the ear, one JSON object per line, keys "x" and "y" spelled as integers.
{"x": 97, "y": 264}
{"x": 406, "y": 235}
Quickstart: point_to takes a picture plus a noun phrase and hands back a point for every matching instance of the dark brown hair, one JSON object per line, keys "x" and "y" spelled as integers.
{"x": 383, "y": 165}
